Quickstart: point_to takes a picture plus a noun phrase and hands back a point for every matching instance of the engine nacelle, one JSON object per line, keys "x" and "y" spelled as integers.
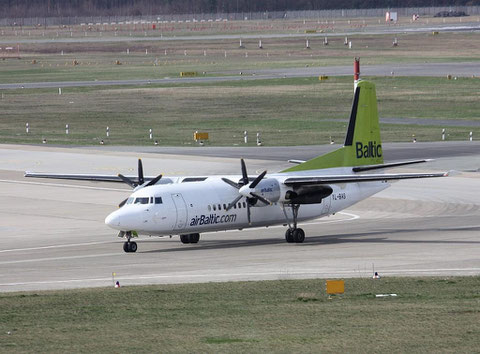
{"x": 304, "y": 194}
{"x": 268, "y": 188}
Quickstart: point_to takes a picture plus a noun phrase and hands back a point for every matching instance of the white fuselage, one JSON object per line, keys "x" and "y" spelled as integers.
{"x": 200, "y": 206}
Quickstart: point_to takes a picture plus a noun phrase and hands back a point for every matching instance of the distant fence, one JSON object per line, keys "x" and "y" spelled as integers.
{"x": 276, "y": 15}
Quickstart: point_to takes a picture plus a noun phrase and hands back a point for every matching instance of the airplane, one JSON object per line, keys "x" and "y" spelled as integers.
{"x": 190, "y": 205}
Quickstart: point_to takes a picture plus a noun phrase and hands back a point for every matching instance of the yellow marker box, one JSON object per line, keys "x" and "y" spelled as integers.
{"x": 335, "y": 287}
{"x": 200, "y": 136}
{"x": 188, "y": 73}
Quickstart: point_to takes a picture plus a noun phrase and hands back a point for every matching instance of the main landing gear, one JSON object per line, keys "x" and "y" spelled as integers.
{"x": 190, "y": 238}
{"x": 293, "y": 234}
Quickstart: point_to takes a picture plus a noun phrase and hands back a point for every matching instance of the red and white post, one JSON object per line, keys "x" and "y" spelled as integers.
{"x": 356, "y": 73}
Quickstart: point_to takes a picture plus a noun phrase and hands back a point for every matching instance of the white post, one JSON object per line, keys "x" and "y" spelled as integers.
{"x": 350, "y": 45}
{"x": 471, "y": 136}
{"x": 325, "y": 41}
{"x": 225, "y": 54}
{"x": 307, "y": 45}
{"x": 260, "y": 44}
{"x": 185, "y": 52}
{"x": 150, "y": 133}
{"x": 241, "y": 45}
{"x": 443, "y": 134}
{"x": 128, "y": 51}
{"x": 204, "y": 53}
{"x": 59, "y": 90}
{"x": 27, "y": 128}
{"x": 245, "y": 137}
{"x": 108, "y": 132}
{"x": 146, "y": 51}
{"x": 61, "y": 53}
{"x": 259, "y": 143}
{"x": 66, "y": 129}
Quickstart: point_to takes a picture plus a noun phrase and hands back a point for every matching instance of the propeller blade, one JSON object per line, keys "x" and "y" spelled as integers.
{"x": 140, "y": 172}
{"x": 230, "y": 206}
{"x": 154, "y": 181}
{"x": 244, "y": 173}
{"x": 259, "y": 197}
{"x": 258, "y": 179}
{"x": 233, "y": 184}
{"x": 127, "y": 180}
{"x": 248, "y": 214}
{"x": 122, "y": 203}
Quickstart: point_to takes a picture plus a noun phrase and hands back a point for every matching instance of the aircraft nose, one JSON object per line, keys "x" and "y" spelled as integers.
{"x": 113, "y": 220}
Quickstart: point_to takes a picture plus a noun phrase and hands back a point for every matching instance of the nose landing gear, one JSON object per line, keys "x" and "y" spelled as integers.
{"x": 128, "y": 246}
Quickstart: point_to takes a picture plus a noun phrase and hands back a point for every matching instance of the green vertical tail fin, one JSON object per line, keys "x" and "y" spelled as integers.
{"x": 362, "y": 145}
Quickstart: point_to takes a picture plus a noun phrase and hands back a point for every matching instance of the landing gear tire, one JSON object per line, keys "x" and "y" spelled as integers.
{"x": 133, "y": 247}
{"x": 194, "y": 238}
{"x": 190, "y": 238}
{"x": 130, "y": 247}
{"x": 289, "y": 236}
{"x": 298, "y": 235}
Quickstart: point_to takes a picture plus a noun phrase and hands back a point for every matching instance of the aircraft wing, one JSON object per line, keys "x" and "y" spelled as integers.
{"x": 332, "y": 179}
{"x": 85, "y": 177}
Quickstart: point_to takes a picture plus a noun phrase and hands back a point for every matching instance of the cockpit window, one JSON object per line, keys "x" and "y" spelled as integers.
{"x": 142, "y": 200}
{"x": 158, "y": 200}
{"x": 130, "y": 200}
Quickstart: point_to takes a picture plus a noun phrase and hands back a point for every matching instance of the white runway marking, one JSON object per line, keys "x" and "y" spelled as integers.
{"x": 62, "y": 258}
{"x": 63, "y": 185}
{"x": 55, "y": 246}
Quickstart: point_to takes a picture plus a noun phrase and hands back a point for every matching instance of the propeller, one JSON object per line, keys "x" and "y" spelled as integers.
{"x": 140, "y": 180}
{"x": 246, "y": 189}
{"x": 140, "y": 183}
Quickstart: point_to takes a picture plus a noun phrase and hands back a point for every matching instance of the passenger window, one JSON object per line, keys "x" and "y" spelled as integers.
{"x": 209, "y": 208}
{"x": 214, "y": 208}
{"x": 244, "y": 205}
{"x": 219, "y": 207}
{"x": 224, "y": 207}
{"x": 239, "y": 205}
{"x": 158, "y": 200}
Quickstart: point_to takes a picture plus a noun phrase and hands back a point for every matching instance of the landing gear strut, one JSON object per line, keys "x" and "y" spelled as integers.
{"x": 190, "y": 238}
{"x": 293, "y": 234}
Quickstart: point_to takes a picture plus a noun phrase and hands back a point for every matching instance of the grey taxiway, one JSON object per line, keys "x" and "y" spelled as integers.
{"x": 54, "y": 236}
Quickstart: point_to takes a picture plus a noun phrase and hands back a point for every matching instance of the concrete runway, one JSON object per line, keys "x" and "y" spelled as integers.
{"x": 54, "y": 236}
{"x": 460, "y": 69}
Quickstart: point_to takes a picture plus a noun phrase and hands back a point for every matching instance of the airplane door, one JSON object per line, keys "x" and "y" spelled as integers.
{"x": 326, "y": 202}
{"x": 181, "y": 211}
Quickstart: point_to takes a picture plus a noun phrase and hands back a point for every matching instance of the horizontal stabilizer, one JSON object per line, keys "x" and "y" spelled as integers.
{"x": 298, "y": 162}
